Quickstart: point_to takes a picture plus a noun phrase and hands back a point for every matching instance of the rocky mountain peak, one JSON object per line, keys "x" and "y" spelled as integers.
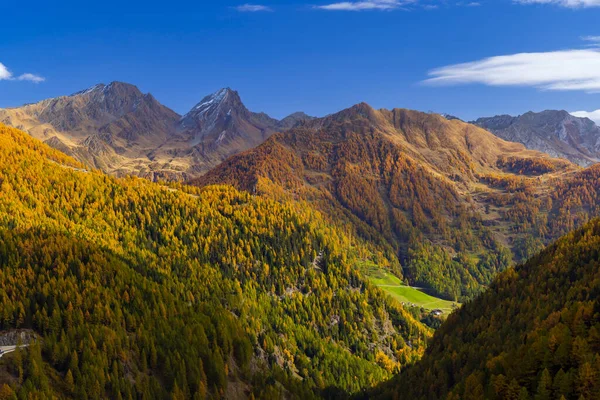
{"x": 215, "y": 101}
{"x": 555, "y": 132}
{"x": 113, "y": 89}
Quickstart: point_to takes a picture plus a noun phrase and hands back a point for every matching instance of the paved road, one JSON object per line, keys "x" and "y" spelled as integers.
{"x": 69, "y": 167}
{"x": 9, "y": 349}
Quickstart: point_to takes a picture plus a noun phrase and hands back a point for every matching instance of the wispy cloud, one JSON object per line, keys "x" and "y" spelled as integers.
{"x": 576, "y": 69}
{"x": 6, "y": 75}
{"x": 253, "y": 8}
{"x": 564, "y": 3}
{"x": 594, "y": 41}
{"x": 31, "y": 78}
{"x": 366, "y": 5}
{"x": 388, "y": 5}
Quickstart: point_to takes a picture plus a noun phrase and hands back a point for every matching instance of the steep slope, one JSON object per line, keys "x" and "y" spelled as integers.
{"x": 418, "y": 183}
{"x": 534, "y": 334}
{"x": 557, "y": 133}
{"x": 145, "y": 291}
{"x": 220, "y": 126}
{"x": 223, "y": 118}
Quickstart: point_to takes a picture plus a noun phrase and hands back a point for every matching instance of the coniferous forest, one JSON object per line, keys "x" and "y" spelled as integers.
{"x": 550, "y": 349}
{"x": 142, "y": 290}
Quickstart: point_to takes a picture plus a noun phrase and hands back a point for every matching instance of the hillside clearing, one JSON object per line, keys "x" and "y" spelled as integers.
{"x": 393, "y": 286}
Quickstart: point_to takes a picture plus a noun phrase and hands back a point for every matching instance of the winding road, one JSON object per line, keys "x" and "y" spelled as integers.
{"x": 9, "y": 349}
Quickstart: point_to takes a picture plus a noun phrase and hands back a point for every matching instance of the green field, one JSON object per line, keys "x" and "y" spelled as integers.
{"x": 406, "y": 294}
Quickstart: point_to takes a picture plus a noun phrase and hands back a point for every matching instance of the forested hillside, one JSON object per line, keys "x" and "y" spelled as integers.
{"x": 451, "y": 201}
{"x": 139, "y": 290}
{"x": 535, "y": 334}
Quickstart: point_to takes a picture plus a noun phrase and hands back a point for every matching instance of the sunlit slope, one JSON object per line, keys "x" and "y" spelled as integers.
{"x": 146, "y": 291}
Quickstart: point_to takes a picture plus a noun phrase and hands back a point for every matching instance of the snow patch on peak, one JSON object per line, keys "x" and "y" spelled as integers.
{"x": 89, "y": 90}
{"x": 213, "y": 99}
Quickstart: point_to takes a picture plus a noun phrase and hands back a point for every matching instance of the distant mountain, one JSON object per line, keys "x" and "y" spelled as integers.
{"x": 434, "y": 191}
{"x": 120, "y": 130}
{"x": 294, "y": 119}
{"x": 535, "y": 334}
{"x": 557, "y": 133}
{"x": 220, "y": 126}
{"x": 451, "y": 117}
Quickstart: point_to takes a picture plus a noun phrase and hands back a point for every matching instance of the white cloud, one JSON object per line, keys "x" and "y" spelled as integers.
{"x": 6, "y": 75}
{"x": 366, "y": 5}
{"x": 556, "y": 70}
{"x": 253, "y": 8}
{"x": 593, "y": 115}
{"x": 387, "y": 5}
{"x": 31, "y": 78}
{"x": 564, "y": 3}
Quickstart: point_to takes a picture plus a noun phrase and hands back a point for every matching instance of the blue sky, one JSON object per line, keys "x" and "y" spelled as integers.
{"x": 317, "y": 56}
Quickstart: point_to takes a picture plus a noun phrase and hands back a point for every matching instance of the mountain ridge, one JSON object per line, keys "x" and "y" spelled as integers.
{"x": 555, "y": 132}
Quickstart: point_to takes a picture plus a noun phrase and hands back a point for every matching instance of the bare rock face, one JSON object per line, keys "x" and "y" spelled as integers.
{"x": 556, "y": 133}
{"x": 15, "y": 336}
{"x": 220, "y": 125}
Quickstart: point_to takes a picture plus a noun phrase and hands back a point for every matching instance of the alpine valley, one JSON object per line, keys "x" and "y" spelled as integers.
{"x": 227, "y": 254}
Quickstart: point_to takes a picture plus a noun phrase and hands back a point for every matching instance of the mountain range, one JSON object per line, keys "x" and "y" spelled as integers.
{"x": 557, "y": 133}
{"x": 120, "y": 130}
